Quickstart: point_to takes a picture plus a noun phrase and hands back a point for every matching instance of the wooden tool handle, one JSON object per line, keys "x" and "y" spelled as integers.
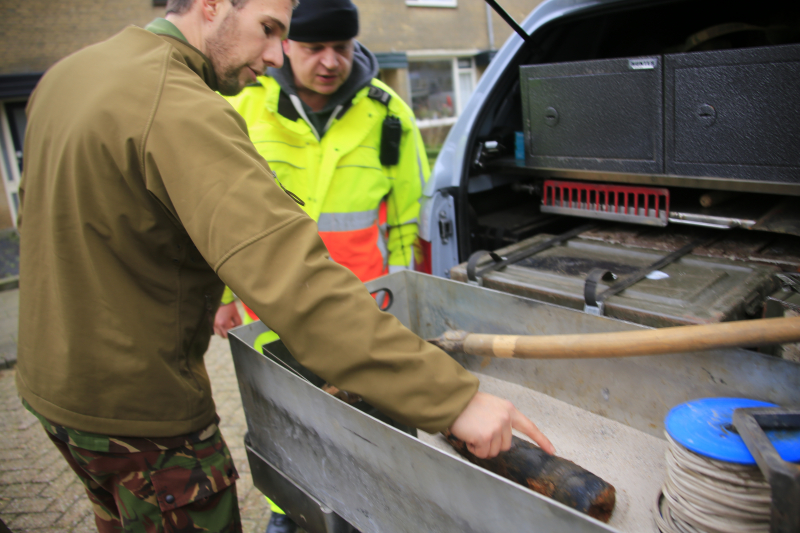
{"x": 743, "y": 333}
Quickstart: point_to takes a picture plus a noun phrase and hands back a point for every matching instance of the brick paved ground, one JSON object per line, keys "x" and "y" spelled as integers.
{"x": 39, "y": 493}
{"x": 9, "y": 309}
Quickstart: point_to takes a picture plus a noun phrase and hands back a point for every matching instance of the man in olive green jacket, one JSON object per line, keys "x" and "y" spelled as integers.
{"x": 141, "y": 194}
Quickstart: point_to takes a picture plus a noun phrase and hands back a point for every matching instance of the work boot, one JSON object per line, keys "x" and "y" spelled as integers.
{"x": 280, "y": 523}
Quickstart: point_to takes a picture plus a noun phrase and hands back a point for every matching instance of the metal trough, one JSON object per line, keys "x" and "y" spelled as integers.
{"x": 331, "y": 466}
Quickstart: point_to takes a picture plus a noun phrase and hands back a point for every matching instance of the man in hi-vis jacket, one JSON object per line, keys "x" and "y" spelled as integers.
{"x": 342, "y": 141}
{"x": 141, "y": 197}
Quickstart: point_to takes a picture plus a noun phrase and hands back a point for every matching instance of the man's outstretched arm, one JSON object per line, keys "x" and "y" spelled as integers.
{"x": 259, "y": 242}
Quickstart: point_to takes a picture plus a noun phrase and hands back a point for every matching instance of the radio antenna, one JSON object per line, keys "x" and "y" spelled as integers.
{"x": 510, "y": 21}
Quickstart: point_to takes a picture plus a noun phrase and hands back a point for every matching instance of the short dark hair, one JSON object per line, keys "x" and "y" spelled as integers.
{"x": 180, "y": 7}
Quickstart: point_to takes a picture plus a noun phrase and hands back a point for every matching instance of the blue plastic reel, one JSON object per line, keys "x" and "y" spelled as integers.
{"x": 705, "y": 427}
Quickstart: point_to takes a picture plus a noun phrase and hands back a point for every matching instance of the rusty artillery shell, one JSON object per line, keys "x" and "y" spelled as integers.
{"x": 552, "y": 476}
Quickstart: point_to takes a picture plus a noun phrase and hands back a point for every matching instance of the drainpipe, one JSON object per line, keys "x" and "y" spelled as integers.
{"x": 489, "y": 26}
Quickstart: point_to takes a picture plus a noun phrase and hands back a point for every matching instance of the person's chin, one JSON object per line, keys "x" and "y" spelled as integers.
{"x": 246, "y": 77}
{"x": 326, "y": 89}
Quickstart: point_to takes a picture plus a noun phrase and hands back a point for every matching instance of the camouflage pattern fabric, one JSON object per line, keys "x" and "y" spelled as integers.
{"x": 190, "y": 488}
{"x": 105, "y": 443}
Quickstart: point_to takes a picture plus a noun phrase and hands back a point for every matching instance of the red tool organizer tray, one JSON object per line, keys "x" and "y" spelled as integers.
{"x": 643, "y": 205}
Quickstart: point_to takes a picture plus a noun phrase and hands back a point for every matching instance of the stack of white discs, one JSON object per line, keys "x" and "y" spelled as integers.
{"x": 702, "y": 495}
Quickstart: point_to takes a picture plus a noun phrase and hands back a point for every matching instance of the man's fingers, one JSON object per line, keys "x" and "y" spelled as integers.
{"x": 521, "y": 423}
{"x": 227, "y": 317}
{"x": 505, "y": 445}
{"x": 495, "y": 444}
{"x": 479, "y": 450}
{"x": 485, "y": 425}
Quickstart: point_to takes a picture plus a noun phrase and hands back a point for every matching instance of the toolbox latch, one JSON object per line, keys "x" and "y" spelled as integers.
{"x": 445, "y": 227}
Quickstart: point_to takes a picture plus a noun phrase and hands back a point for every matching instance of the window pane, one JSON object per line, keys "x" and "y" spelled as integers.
{"x": 432, "y": 89}
{"x": 6, "y": 158}
{"x": 464, "y": 87}
{"x": 17, "y": 122}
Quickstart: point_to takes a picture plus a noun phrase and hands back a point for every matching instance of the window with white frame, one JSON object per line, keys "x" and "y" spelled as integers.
{"x": 12, "y": 132}
{"x": 465, "y": 70}
{"x": 440, "y": 87}
{"x": 432, "y": 3}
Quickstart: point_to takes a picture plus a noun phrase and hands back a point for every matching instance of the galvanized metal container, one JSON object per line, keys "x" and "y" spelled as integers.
{"x": 330, "y": 465}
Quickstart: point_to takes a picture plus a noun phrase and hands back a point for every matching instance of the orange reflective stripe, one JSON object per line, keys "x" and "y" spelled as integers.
{"x": 382, "y": 213}
{"x": 249, "y": 312}
{"x": 362, "y": 250}
{"x": 358, "y": 250}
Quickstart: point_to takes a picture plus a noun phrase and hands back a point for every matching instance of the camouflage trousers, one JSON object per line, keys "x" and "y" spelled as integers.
{"x": 187, "y": 489}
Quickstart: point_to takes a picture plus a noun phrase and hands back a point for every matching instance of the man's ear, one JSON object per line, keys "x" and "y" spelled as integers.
{"x": 210, "y": 8}
{"x": 286, "y": 46}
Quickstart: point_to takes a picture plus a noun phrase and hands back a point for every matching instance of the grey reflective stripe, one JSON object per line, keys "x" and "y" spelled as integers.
{"x": 384, "y": 249}
{"x": 347, "y": 221}
{"x": 298, "y": 105}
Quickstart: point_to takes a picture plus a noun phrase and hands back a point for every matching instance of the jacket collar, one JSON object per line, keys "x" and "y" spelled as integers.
{"x": 365, "y": 68}
{"x": 286, "y": 108}
{"x": 195, "y": 59}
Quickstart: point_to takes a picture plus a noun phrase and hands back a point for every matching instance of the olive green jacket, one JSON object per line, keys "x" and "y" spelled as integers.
{"x": 140, "y": 191}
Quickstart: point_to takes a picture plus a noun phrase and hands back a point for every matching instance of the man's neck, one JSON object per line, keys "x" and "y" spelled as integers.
{"x": 191, "y": 32}
{"x": 312, "y": 99}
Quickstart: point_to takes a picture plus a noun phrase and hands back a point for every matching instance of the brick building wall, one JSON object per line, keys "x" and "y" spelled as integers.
{"x": 462, "y": 35}
{"x": 34, "y": 34}
{"x": 391, "y": 25}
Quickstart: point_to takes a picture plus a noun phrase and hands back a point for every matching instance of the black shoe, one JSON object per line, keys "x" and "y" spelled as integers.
{"x": 280, "y": 523}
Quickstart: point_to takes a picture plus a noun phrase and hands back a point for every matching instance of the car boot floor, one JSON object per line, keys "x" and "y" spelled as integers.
{"x": 629, "y": 459}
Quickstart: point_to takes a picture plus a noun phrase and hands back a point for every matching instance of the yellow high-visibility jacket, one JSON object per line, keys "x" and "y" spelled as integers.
{"x": 340, "y": 177}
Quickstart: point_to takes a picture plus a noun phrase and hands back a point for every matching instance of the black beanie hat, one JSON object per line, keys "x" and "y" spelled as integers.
{"x": 318, "y": 21}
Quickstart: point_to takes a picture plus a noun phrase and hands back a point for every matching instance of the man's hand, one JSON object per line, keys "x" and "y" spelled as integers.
{"x": 227, "y": 317}
{"x": 485, "y": 425}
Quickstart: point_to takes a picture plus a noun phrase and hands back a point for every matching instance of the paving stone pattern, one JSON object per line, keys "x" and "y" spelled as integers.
{"x": 38, "y": 491}
{"x": 9, "y": 311}
{"x": 9, "y": 254}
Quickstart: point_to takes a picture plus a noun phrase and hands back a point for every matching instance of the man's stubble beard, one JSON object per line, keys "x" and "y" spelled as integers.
{"x": 219, "y": 52}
